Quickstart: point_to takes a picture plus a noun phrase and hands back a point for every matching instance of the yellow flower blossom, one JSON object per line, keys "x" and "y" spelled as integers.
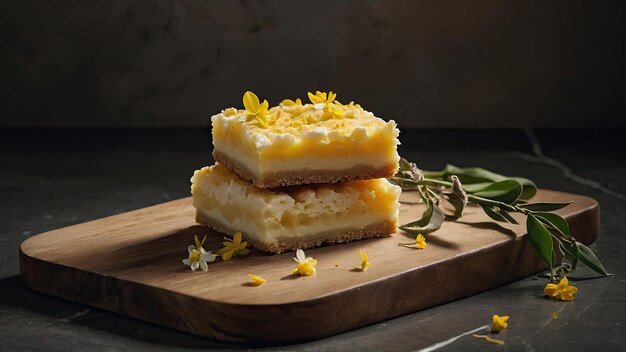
{"x": 305, "y": 266}
{"x": 257, "y": 280}
{"x": 499, "y": 323}
{"x": 420, "y": 242}
{"x": 198, "y": 257}
{"x": 563, "y": 291}
{"x": 289, "y": 102}
{"x": 364, "y": 262}
{"x": 321, "y": 100}
{"x": 255, "y": 109}
{"x": 233, "y": 247}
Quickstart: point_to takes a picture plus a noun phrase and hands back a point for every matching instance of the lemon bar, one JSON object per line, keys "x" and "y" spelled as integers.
{"x": 279, "y": 220}
{"x": 294, "y": 143}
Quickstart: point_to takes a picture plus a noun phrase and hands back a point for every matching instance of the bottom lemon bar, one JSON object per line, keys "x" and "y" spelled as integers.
{"x": 289, "y": 218}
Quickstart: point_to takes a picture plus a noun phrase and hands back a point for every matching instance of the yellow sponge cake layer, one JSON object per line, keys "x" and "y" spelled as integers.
{"x": 305, "y": 144}
{"x": 294, "y": 217}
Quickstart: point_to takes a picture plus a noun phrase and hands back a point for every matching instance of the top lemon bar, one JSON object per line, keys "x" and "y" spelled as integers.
{"x": 294, "y": 143}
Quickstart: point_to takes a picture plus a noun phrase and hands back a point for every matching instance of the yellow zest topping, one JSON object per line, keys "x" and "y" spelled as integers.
{"x": 256, "y": 280}
{"x": 364, "y": 262}
{"x": 489, "y": 339}
{"x": 255, "y": 109}
{"x": 563, "y": 291}
{"x": 325, "y": 101}
{"x": 420, "y": 242}
{"x": 233, "y": 247}
{"x": 289, "y": 102}
{"x": 306, "y": 265}
{"x": 499, "y": 323}
{"x": 197, "y": 256}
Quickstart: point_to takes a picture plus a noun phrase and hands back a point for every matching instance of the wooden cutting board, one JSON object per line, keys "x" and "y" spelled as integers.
{"x": 131, "y": 264}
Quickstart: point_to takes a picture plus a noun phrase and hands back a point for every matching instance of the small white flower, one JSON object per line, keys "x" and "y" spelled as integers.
{"x": 306, "y": 265}
{"x": 198, "y": 257}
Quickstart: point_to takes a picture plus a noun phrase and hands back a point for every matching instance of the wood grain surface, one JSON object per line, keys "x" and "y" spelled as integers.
{"x": 131, "y": 263}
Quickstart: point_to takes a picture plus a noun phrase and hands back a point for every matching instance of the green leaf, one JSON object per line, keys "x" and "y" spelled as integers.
{"x": 508, "y": 216}
{"x": 475, "y": 187}
{"x": 477, "y": 175}
{"x": 571, "y": 252}
{"x": 431, "y": 220}
{"x": 507, "y": 191}
{"x": 555, "y": 221}
{"x": 588, "y": 258}
{"x": 540, "y": 239}
{"x": 493, "y": 214}
{"x": 544, "y": 206}
{"x": 470, "y": 175}
{"x": 529, "y": 187}
{"x": 498, "y": 214}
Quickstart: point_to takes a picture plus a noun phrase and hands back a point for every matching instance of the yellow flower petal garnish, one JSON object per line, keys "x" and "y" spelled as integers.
{"x": 255, "y": 109}
{"x": 289, "y": 102}
{"x": 326, "y": 101}
{"x": 256, "y": 280}
{"x": 306, "y": 265}
{"x": 489, "y": 339}
{"x": 499, "y": 323}
{"x": 364, "y": 262}
{"x": 233, "y": 247}
{"x": 420, "y": 242}
{"x": 197, "y": 256}
{"x": 563, "y": 291}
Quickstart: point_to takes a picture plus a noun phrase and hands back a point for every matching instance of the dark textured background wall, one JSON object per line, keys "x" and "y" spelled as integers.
{"x": 422, "y": 63}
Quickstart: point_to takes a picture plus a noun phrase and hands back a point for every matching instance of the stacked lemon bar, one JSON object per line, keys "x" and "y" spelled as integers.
{"x": 299, "y": 175}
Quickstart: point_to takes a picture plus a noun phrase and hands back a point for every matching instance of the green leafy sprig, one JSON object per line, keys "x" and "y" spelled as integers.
{"x": 498, "y": 196}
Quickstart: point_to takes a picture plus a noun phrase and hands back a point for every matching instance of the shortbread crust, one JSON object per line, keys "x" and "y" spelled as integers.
{"x": 383, "y": 229}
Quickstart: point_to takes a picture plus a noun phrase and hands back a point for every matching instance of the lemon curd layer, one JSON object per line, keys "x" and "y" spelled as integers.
{"x": 294, "y": 217}
{"x": 345, "y": 143}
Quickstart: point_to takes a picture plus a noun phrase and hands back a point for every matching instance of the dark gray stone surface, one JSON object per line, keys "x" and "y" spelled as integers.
{"x": 54, "y": 178}
{"x": 423, "y": 63}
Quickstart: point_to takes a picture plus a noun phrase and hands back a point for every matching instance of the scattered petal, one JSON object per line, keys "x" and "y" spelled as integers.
{"x": 305, "y": 265}
{"x": 256, "y": 280}
{"x": 364, "y": 262}
{"x": 420, "y": 242}
{"x": 233, "y": 247}
{"x": 499, "y": 323}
